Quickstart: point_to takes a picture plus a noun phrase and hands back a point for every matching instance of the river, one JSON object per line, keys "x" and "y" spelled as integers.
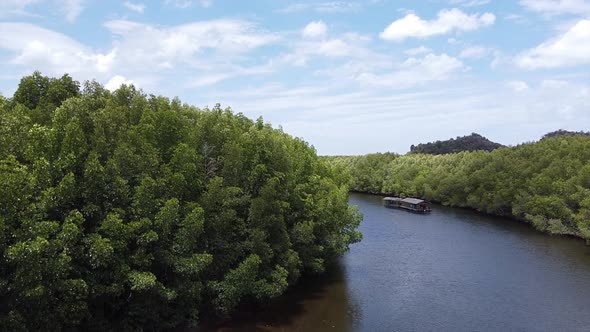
{"x": 451, "y": 270}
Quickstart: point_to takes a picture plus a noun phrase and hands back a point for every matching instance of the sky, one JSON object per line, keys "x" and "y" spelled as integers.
{"x": 349, "y": 77}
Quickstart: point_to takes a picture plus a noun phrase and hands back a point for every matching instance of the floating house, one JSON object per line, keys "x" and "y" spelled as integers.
{"x": 410, "y": 204}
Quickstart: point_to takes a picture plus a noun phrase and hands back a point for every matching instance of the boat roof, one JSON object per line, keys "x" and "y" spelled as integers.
{"x": 412, "y": 200}
{"x": 392, "y": 199}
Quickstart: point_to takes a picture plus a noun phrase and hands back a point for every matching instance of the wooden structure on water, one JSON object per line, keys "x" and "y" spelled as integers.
{"x": 410, "y": 204}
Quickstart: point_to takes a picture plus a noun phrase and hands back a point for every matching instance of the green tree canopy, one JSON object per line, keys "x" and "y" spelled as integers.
{"x": 122, "y": 211}
{"x": 546, "y": 183}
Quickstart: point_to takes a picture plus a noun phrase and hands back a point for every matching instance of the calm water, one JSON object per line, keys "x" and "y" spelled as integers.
{"x": 452, "y": 270}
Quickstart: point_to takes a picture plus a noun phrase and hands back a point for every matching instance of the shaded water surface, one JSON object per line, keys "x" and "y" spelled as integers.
{"x": 452, "y": 270}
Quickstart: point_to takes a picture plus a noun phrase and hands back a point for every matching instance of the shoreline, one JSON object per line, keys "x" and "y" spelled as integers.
{"x": 507, "y": 216}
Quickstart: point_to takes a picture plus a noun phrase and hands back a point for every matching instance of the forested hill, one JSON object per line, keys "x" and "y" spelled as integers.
{"x": 120, "y": 211}
{"x": 471, "y": 142}
{"x": 562, "y": 132}
{"x": 546, "y": 183}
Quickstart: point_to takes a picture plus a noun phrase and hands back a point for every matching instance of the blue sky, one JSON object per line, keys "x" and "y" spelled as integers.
{"x": 350, "y": 77}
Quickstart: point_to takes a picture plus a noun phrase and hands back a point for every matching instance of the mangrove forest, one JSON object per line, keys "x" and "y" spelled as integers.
{"x": 126, "y": 211}
{"x": 545, "y": 183}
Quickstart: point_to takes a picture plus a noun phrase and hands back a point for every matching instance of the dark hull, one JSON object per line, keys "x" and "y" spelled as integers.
{"x": 408, "y": 209}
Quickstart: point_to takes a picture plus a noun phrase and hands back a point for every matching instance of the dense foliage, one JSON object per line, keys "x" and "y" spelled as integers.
{"x": 562, "y": 132}
{"x": 545, "y": 183}
{"x": 121, "y": 211}
{"x": 473, "y": 142}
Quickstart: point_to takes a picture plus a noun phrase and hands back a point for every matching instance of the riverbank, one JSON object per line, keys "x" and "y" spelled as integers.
{"x": 451, "y": 270}
{"x": 545, "y": 184}
{"x": 484, "y": 213}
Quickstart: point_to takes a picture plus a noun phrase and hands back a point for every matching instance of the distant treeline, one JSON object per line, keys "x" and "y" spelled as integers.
{"x": 562, "y": 132}
{"x": 473, "y": 142}
{"x": 546, "y": 183}
{"x": 121, "y": 211}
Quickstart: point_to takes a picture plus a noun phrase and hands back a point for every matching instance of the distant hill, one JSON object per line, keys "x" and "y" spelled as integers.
{"x": 472, "y": 142}
{"x": 562, "y": 132}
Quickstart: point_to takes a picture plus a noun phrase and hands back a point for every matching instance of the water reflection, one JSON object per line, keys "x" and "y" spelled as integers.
{"x": 316, "y": 304}
{"x": 461, "y": 271}
{"x": 452, "y": 270}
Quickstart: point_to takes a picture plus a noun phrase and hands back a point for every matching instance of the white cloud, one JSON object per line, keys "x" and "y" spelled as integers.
{"x": 418, "y": 50}
{"x": 412, "y": 26}
{"x": 116, "y": 81}
{"x": 554, "y": 84}
{"x": 136, "y": 7}
{"x": 15, "y": 7}
{"x": 206, "y": 3}
{"x": 321, "y": 7}
{"x": 51, "y": 52}
{"x": 516, "y": 18}
{"x": 473, "y": 52}
{"x": 143, "y": 44}
{"x": 328, "y": 116}
{"x": 334, "y": 48}
{"x": 569, "y": 49}
{"x": 210, "y": 79}
{"x": 470, "y": 3}
{"x": 517, "y": 86}
{"x": 347, "y": 46}
{"x": 315, "y": 29}
{"x": 211, "y": 50}
{"x": 415, "y": 71}
{"x": 105, "y": 62}
{"x": 72, "y": 9}
{"x": 353, "y": 60}
{"x": 453, "y": 41}
{"x": 213, "y": 77}
{"x": 189, "y": 3}
{"x": 557, "y": 7}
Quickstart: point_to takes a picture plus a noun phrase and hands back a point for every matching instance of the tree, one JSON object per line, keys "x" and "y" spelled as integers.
{"x": 31, "y": 90}
{"x": 122, "y": 211}
{"x": 544, "y": 183}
